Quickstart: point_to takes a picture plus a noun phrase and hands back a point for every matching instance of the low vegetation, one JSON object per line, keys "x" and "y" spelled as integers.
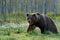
{"x": 17, "y": 31}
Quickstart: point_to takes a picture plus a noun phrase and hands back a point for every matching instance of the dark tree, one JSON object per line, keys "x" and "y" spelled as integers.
{"x": 36, "y": 5}
{"x": 55, "y": 7}
{"x": 45, "y": 6}
{"x": 4, "y": 9}
{"x": 29, "y": 6}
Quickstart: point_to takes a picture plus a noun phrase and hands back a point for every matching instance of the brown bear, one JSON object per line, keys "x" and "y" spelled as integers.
{"x": 44, "y": 23}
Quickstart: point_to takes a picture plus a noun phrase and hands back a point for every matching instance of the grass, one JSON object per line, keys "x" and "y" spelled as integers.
{"x": 12, "y": 31}
{"x": 17, "y": 31}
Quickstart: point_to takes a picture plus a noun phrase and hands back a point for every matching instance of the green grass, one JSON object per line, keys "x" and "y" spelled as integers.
{"x": 21, "y": 16}
{"x": 14, "y": 31}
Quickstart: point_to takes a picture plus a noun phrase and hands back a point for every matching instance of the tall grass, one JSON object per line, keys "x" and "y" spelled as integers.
{"x": 17, "y": 31}
{"x": 14, "y": 31}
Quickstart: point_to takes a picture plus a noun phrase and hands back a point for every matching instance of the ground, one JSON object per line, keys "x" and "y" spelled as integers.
{"x": 18, "y": 32}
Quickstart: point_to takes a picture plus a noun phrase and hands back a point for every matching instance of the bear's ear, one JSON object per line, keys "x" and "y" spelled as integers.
{"x": 27, "y": 14}
{"x": 34, "y": 15}
{"x": 37, "y": 13}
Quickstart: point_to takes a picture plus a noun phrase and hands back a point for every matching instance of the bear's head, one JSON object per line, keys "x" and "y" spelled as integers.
{"x": 32, "y": 18}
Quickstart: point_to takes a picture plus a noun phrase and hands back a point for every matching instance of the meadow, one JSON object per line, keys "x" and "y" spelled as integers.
{"x": 13, "y": 23}
{"x": 17, "y": 31}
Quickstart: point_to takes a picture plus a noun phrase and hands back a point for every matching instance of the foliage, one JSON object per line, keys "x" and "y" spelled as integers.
{"x": 15, "y": 26}
{"x": 12, "y": 31}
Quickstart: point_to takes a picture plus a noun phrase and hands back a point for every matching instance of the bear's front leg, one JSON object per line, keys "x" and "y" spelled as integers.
{"x": 42, "y": 31}
{"x": 30, "y": 28}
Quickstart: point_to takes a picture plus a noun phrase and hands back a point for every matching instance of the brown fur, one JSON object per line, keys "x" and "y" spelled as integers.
{"x": 43, "y": 22}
